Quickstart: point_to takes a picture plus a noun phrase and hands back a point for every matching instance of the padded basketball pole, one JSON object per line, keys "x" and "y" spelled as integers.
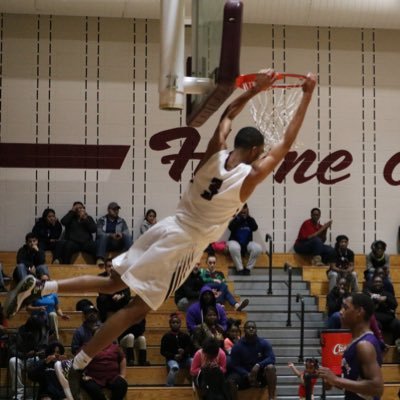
{"x": 172, "y": 54}
{"x": 173, "y": 85}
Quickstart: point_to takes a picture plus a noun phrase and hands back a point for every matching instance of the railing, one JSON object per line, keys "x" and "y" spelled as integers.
{"x": 268, "y": 239}
{"x": 288, "y": 268}
{"x": 299, "y": 297}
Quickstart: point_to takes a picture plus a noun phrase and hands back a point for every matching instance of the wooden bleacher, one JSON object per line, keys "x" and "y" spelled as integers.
{"x": 147, "y": 382}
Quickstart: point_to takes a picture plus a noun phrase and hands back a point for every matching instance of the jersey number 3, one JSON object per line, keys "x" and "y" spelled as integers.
{"x": 212, "y": 189}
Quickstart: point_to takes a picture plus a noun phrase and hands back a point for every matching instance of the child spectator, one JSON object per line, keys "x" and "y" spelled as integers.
{"x": 208, "y": 370}
{"x": 48, "y": 230}
{"x": 209, "y": 328}
{"x": 232, "y": 334}
{"x": 176, "y": 347}
{"x": 150, "y": 219}
{"x": 308, "y": 378}
{"x": 376, "y": 258}
{"x": 189, "y": 292}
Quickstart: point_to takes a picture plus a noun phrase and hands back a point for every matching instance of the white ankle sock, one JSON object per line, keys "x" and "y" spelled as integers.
{"x": 81, "y": 360}
{"x": 50, "y": 287}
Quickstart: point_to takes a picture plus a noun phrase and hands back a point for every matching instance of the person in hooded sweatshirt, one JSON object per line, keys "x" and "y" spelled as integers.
{"x": 196, "y": 312}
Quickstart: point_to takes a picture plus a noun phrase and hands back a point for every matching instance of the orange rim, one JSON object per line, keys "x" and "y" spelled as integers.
{"x": 242, "y": 80}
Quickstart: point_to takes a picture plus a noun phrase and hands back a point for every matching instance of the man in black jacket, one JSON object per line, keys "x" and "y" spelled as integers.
{"x": 385, "y": 308}
{"x": 189, "y": 292}
{"x": 79, "y": 230}
{"x": 30, "y": 259}
{"x": 241, "y": 242}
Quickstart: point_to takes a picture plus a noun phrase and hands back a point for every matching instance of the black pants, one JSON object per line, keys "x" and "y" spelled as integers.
{"x": 118, "y": 388}
{"x": 70, "y": 247}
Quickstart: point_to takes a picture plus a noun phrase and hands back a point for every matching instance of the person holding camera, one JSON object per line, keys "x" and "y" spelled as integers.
{"x": 241, "y": 241}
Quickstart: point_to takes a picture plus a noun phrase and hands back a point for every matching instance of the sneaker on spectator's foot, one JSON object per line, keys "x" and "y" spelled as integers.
{"x": 243, "y": 304}
{"x": 56, "y": 261}
{"x": 246, "y": 272}
{"x": 100, "y": 263}
{"x": 27, "y": 290}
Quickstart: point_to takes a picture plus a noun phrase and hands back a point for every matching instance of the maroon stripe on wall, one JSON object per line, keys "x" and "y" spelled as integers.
{"x": 72, "y": 156}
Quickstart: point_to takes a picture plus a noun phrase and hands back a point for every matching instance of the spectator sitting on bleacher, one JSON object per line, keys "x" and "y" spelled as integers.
{"x": 189, "y": 292}
{"x": 196, "y": 312}
{"x": 241, "y": 241}
{"x": 112, "y": 233}
{"x": 107, "y": 304}
{"x": 232, "y": 334}
{"x": 49, "y": 305}
{"x": 342, "y": 264}
{"x": 208, "y": 371}
{"x": 387, "y": 284}
{"x": 334, "y": 301}
{"x": 85, "y": 332}
{"x": 377, "y": 258}
{"x": 44, "y": 374}
{"x": 253, "y": 363}
{"x": 30, "y": 260}
{"x": 208, "y": 328}
{"x": 48, "y": 230}
{"x": 177, "y": 348}
{"x": 107, "y": 369}
{"x": 150, "y": 219}
{"x": 134, "y": 339}
{"x": 385, "y": 309}
{"x": 27, "y": 345}
{"x": 311, "y": 238}
{"x": 79, "y": 230}
{"x": 216, "y": 280}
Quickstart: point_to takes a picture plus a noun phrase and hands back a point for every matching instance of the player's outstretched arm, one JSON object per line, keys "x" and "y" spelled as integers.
{"x": 264, "y": 79}
{"x": 264, "y": 166}
{"x": 372, "y": 382}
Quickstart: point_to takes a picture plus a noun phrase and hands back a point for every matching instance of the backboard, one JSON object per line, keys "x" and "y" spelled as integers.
{"x": 216, "y": 40}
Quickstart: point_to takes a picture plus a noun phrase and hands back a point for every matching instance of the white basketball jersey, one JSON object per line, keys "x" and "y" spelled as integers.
{"x": 213, "y": 197}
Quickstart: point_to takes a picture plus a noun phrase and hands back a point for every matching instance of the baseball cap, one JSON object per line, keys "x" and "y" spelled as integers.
{"x": 113, "y": 205}
{"x": 90, "y": 309}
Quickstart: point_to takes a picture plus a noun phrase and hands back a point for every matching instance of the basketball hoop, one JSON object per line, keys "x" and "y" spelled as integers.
{"x": 273, "y": 109}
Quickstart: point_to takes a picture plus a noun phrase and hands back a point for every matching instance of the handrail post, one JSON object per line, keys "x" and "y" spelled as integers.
{"x": 299, "y": 297}
{"x": 288, "y": 268}
{"x": 268, "y": 238}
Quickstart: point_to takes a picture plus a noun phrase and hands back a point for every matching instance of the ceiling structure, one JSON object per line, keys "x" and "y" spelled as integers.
{"x": 335, "y": 13}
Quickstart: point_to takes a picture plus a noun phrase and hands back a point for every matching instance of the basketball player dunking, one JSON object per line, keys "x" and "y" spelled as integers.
{"x": 161, "y": 259}
{"x": 362, "y": 375}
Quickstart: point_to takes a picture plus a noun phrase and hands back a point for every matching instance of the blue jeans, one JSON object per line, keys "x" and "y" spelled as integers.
{"x": 106, "y": 243}
{"x": 225, "y": 295}
{"x": 314, "y": 247}
{"x": 174, "y": 366}
{"x": 21, "y": 271}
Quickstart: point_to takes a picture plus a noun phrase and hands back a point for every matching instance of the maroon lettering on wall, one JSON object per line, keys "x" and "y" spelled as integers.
{"x": 392, "y": 163}
{"x": 290, "y": 161}
{"x": 35, "y": 155}
{"x": 191, "y": 137}
{"x": 336, "y": 161}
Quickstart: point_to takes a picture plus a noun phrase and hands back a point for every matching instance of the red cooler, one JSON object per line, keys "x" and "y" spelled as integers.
{"x": 333, "y": 345}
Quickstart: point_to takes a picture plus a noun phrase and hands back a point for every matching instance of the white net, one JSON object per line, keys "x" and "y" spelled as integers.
{"x": 273, "y": 109}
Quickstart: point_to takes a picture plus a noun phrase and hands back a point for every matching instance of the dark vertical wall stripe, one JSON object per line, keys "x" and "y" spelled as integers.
{"x": 37, "y": 105}
{"x": 49, "y": 104}
{"x": 273, "y": 177}
{"x": 374, "y": 127}
{"x": 133, "y": 121}
{"x": 86, "y": 96}
{"x": 97, "y": 108}
{"x": 145, "y": 112}
{"x": 363, "y": 148}
{"x": 284, "y": 182}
